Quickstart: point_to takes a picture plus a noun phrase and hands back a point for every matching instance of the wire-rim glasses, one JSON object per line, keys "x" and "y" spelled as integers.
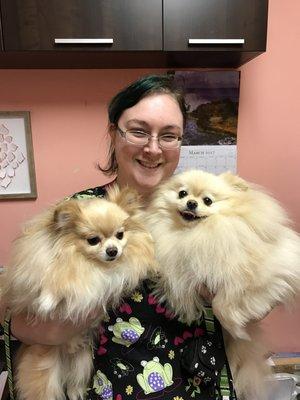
{"x": 168, "y": 141}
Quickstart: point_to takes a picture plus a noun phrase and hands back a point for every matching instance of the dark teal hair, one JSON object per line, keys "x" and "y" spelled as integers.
{"x": 131, "y": 95}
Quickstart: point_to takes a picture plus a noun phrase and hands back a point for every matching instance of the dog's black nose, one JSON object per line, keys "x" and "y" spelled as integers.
{"x": 112, "y": 251}
{"x": 192, "y": 205}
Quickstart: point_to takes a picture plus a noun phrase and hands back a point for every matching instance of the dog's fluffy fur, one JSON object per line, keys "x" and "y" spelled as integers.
{"x": 60, "y": 270}
{"x": 228, "y": 236}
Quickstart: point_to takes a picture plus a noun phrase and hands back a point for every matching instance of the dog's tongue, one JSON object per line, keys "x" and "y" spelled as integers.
{"x": 188, "y": 215}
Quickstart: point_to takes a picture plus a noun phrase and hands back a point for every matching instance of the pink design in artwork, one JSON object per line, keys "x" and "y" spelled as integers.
{"x": 10, "y": 157}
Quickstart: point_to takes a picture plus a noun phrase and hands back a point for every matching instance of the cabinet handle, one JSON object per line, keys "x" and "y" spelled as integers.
{"x": 83, "y": 41}
{"x": 216, "y": 41}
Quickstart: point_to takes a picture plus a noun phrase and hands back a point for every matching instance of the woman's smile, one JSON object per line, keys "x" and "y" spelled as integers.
{"x": 149, "y": 164}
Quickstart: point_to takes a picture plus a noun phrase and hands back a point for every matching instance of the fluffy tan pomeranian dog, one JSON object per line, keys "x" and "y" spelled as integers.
{"x": 78, "y": 257}
{"x": 228, "y": 236}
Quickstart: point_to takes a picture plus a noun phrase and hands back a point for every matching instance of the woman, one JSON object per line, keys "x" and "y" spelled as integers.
{"x": 140, "y": 347}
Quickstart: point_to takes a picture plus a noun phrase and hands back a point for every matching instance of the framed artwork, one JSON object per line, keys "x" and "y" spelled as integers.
{"x": 17, "y": 173}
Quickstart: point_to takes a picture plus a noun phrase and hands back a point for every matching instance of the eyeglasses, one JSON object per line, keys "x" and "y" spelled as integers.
{"x": 168, "y": 141}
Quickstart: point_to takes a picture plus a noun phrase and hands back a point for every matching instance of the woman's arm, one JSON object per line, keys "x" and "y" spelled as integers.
{"x": 51, "y": 332}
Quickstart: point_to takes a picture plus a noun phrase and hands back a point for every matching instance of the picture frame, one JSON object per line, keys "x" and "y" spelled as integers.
{"x": 17, "y": 170}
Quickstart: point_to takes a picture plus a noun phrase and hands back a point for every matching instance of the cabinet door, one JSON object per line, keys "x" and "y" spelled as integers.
{"x": 35, "y": 24}
{"x": 215, "y": 20}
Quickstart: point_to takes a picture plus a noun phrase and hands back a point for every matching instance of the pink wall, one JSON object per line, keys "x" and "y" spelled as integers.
{"x": 268, "y": 136}
{"x": 68, "y": 116}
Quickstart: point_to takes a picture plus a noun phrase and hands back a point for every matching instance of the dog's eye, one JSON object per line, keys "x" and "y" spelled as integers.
{"x": 120, "y": 235}
{"x": 182, "y": 194}
{"x": 93, "y": 240}
{"x": 207, "y": 201}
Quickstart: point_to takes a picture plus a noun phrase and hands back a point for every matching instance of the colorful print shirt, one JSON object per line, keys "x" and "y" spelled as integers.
{"x": 139, "y": 349}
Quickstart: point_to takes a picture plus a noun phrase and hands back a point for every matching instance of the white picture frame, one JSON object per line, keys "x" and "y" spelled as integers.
{"x": 17, "y": 171}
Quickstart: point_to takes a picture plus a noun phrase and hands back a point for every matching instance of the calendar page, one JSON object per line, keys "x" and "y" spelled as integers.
{"x": 209, "y": 141}
{"x": 215, "y": 159}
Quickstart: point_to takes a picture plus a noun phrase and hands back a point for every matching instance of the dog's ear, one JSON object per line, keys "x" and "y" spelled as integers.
{"x": 235, "y": 181}
{"x": 126, "y": 198}
{"x": 66, "y": 213}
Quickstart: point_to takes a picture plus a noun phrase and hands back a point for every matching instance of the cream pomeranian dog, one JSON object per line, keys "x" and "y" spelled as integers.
{"x": 227, "y": 236}
{"x": 75, "y": 259}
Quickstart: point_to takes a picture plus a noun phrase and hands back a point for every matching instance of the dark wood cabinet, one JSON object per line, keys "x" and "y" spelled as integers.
{"x": 129, "y": 25}
{"x": 1, "y": 37}
{"x": 215, "y": 25}
{"x": 139, "y": 33}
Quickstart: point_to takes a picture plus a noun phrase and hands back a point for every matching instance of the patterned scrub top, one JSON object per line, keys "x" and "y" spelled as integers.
{"x": 139, "y": 349}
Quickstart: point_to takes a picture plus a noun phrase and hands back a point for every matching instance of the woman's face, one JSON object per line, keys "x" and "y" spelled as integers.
{"x": 143, "y": 168}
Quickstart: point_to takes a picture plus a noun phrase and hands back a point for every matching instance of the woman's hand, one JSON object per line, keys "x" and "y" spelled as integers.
{"x": 50, "y": 332}
{"x": 206, "y": 295}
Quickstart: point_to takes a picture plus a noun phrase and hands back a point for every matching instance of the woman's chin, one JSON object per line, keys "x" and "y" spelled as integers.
{"x": 149, "y": 181}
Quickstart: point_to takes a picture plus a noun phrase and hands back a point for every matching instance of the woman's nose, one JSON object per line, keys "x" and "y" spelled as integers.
{"x": 153, "y": 146}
